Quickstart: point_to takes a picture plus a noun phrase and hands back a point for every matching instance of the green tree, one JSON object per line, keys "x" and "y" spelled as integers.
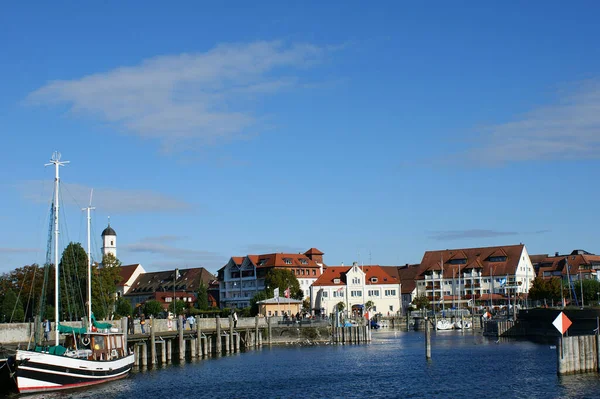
{"x": 12, "y": 308}
{"x": 153, "y": 307}
{"x": 283, "y": 279}
{"x": 547, "y": 290}
{"x": 340, "y": 306}
{"x": 306, "y": 305}
{"x": 73, "y": 282}
{"x": 104, "y": 286}
{"x": 369, "y": 305}
{"x": 28, "y": 280}
{"x": 591, "y": 288}
{"x": 123, "y": 307}
{"x": 259, "y": 296}
{"x": 177, "y": 308}
{"x": 202, "y": 296}
{"x": 421, "y": 302}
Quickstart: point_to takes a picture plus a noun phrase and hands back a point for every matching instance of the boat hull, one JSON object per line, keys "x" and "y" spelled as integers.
{"x": 42, "y": 372}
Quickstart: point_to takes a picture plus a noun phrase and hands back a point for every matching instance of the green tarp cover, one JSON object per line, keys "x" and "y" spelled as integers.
{"x": 99, "y": 325}
{"x": 71, "y": 330}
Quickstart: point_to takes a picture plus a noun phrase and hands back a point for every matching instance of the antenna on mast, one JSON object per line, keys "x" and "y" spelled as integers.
{"x": 55, "y": 160}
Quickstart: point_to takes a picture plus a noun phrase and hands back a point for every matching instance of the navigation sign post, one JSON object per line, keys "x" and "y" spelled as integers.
{"x": 562, "y": 324}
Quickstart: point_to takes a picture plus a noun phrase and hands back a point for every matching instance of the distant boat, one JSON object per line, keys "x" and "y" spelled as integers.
{"x": 87, "y": 357}
{"x": 463, "y": 325}
{"x": 444, "y": 324}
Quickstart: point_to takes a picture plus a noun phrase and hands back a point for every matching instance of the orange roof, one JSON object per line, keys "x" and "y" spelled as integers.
{"x": 473, "y": 257}
{"x": 313, "y": 251}
{"x": 125, "y": 273}
{"x": 283, "y": 260}
{"x": 339, "y": 272}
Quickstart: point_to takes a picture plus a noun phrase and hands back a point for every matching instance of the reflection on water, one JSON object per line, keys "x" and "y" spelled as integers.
{"x": 463, "y": 365}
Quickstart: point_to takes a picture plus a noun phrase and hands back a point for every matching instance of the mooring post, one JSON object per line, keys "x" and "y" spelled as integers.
{"x": 256, "y": 331}
{"x": 269, "y": 329}
{"x": 218, "y": 337}
{"x": 231, "y": 333}
{"x": 152, "y": 342}
{"x": 427, "y": 340}
{"x": 198, "y": 337}
{"x": 144, "y": 354}
{"x": 181, "y": 341}
{"x": 125, "y": 332}
{"x": 169, "y": 350}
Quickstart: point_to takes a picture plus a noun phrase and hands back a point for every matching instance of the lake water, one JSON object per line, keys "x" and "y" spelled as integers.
{"x": 463, "y": 365}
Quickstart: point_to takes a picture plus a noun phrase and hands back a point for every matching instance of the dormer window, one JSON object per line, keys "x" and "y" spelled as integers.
{"x": 287, "y": 261}
{"x": 461, "y": 261}
{"x": 374, "y": 279}
{"x": 304, "y": 261}
{"x": 497, "y": 259}
{"x": 262, "y": 262}
{"x": 336, "y": 280}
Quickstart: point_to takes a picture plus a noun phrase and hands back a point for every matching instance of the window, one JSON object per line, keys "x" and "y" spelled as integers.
{"x": 314, "y": 272}
{"x": 390, "y": 292}
{"x": 168, "y": 299}
{"x": 302, "y": 270}
{"x": 262, "y": 262}
{"x": 287, "y": 261}
{"x": 373, "y": 292}
{"x": 112, "y": 243}
{"x": 304, "y": 261}
{"x": 457, "y": 261}
{"x": 336, "y": 280}
{"x": 391, "y": 308}
{"x": 325, "y": 294}
{"x": 497, "y": 259}
{"x": 355, "y": 280}
{"x": 355, "y": 294}
{"x": 373, "y": 279}
{"x": 269, "y": 313}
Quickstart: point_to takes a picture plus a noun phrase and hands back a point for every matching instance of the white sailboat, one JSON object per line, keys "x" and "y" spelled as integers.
{"x": 90, "y": 357}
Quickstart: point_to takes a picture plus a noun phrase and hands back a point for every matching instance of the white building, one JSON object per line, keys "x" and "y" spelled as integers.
{"x": 244, "y": 276}
{"x": 354, "y": 286}
{"x": 489, "y": 275}
{"x": 109, "y": 241}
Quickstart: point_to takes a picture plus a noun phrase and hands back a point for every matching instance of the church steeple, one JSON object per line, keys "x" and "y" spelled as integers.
{"x": 109, "y": 241}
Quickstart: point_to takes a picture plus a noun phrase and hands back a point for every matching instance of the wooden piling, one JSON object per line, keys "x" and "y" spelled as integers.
{"x": 269, "y": 330}
{"x": 218, "y": 335}
{"x": 181, "y": 341}
{"x": 163, "y": 352}
{"x": 427, "y": 340}
{"x": 152, "y": 342}
{"x": 198, "y": 337}
{"x": 125, "y": 332}
{"x": 231, "y": 333}
{"x": 144, "y": 354}
{"x": 169, "y": 351}
{"x": 256, "y": 331}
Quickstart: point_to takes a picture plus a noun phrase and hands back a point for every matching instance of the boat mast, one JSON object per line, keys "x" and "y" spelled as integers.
{"x": 89, "y": 271}
{"x": 55, "y": 160}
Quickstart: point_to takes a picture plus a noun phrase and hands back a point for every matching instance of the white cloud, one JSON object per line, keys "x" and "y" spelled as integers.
{"x": 110, "y": 200}
{"x": 186, "y": 98}
{"x": 567, "y": 129}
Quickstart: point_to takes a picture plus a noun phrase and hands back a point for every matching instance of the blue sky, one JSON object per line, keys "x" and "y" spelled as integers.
{"x": 373, "y": 133}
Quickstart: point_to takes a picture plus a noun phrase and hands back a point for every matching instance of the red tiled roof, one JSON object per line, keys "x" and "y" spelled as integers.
{"x": 279, "y": 260}
{"x": 313, "y": 251}
{"x": 473, "y": 256}
{"x": 237, "y": 259}
{"x": 577, "y": 263}
{"x": 125, "y": 273}
{"x": 339, "y": 272}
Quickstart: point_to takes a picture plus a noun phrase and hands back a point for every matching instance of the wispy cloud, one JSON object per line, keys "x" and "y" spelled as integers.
{"x": 111, "y": 200}
{"x": 20, "y": 250}
{"x": 170, "y": 251}
{"x": 185, "y": 99}
{"x": 270, "y": 248}
{"x": 473, "y": 233}
{"x": 567, "y": 129}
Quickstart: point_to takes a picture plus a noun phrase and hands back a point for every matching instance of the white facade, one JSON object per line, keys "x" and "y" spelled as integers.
{"x": 238, "y": 284}
{"x": 359, "y": 289}
{"x": 474, "y": 282}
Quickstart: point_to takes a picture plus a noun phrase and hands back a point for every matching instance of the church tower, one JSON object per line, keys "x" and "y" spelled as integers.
{"x": 109, "y": 241}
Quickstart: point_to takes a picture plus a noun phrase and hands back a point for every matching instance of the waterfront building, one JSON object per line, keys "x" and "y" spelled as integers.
{"x": 406, "y": 275}
{"x": 459, "y": 277}
{"x": 128, "y": 274}
{"x": 244, "y": 276}
{"x": 578, "y": 264}
{"x": 279, "y": 307}
{"x": 354, "y": 286}
{"x": 165, "y": 286}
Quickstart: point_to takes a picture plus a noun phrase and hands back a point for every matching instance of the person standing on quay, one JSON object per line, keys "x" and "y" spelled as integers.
{"x": 234, "y": 319}
{"x": 46, "y": 326}
{"x": 143, "y": 323}
{"x": 130, "y": 325}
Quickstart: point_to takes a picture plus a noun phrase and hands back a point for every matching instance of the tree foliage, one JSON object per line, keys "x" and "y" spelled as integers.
{"x": 123, "y": 308}
{"x": 283, "y": 279}
{"x": 12, "y": 308}
{"x": 104, "y": 286}
{"x": 548, "y": 290}
{"x": 153, "y": 308}
{"x": 73, "y": 282}
{"x": 28, "y": 281}
{"x": 421, "y": 302}
{"x": 178, "y": 307}
{"x": 259, "y": 296}
{"x": 340, "y": 306}
{"x": 202, "y": 296}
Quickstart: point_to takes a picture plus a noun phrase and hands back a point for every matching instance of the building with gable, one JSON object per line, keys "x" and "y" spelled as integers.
{"x": 406, "y": 275}
{"x": 354, "y": 286}
{"x": 244, "y": 276}
{"x": 128, "y": 274}
{"x": 462, "y": 276}
{"x": 578, "y": 264}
